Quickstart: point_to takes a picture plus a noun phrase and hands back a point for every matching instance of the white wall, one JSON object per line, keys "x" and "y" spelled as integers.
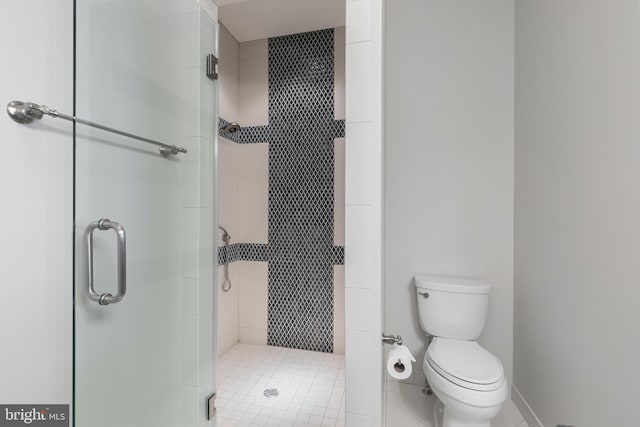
{"x": 254, "y": 190}
{"x": 577, "y": 210}
{"x": 363, "y": 212}
{"x": 227, "y": 203}
{"x": 36, "y": 183}
{"x": 449, "y": 159}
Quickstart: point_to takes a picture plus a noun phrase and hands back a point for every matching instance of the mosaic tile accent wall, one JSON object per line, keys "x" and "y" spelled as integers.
{"x": 301, "y": 162}
{"x": 301, "y": 134}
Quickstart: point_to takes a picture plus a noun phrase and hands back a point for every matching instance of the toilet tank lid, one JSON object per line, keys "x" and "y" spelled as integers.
{"x": 460, "y": 285}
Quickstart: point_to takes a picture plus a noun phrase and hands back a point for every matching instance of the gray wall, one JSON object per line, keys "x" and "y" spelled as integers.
{"x": 449, "y": 158}
{"x": 577, "y": 211}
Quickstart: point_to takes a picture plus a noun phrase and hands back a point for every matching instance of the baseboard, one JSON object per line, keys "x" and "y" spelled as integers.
{"x": 526, "y": 411}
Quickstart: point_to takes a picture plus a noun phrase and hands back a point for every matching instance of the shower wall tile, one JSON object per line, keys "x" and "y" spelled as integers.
{"x": 355, "y": 420}
{"x": 189, "y": 410}
{"x": 302, "y": 133}
{"x": 253, "y": 159}
{"x": 358, "y": 73}
{"x": 358, "y": 318}
{"x": 359, "y": 180}
{"x": 206, "y": 319}
{"x": 338, "y": 309}
{"x": 358, "y": 15}
{"x": 359, "y": 372}
{"x": 358, "y": 253}
{"x": 205, "y": 173}
{"x": 188, "y": 51}
{"x": 339, "y": 73}
{"x": 253, "y": 296}
{"x": 249, "y": 252}
{"x": 189, "y": 349}
{"x": 228, "y": 83}
{"x": 363, "y": 248}
{"x": 188, "y": 117}
{"x": 189, "y": 289}
{"x": 189, "y": 242}
{"x": 255, "y": 49}
{"x": 252, "y": 302}
{"x": 253, "y": 336}
{"x": 338, "y": 192}
{"x": 253, "y": 208}
{"x": 338, "y": 55}
{"x": 247, "y": 135}
{"x": 253, "y": 92}
{"x": 190, "y": 175}
{"x": 228, "y": 309}
{"x": 340, "y": 106}
{"x": 253, "y": 174}
{"x": 228, "y": 188}
{"x": 207, "y": 249}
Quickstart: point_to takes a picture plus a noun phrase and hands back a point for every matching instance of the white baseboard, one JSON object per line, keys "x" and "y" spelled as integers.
{"x": 526, "y": 411}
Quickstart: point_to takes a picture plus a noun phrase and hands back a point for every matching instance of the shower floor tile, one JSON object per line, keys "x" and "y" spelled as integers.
{"x": 273, "y": 386}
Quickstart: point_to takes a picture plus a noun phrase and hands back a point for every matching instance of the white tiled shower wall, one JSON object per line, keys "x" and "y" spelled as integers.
{"x": 227, "y": 203}
{"x": 363, "y": 218}
{"x": 243, "y": 190}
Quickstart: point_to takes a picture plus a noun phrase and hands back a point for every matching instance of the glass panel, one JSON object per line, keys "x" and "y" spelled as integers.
{"x": 146, "y": 360}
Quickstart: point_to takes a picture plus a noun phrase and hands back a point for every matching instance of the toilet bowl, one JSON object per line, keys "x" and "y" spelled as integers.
{"x": 468, "y": 380}
{"x": 465, "y": 377}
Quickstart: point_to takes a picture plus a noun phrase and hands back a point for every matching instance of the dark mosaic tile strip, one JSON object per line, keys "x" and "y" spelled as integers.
{"x": 260, "y": 252}
{"x": 338, "y": 255}
{"x": 246, "y": 135}
{"x": 338, "y": 129}
{"x": 301, "y": 172}
{"x": 228, "y": 254}
{"x": 254, "y": 252}
{"x": 262, "y": 134}
{"x": 242, "y": 252}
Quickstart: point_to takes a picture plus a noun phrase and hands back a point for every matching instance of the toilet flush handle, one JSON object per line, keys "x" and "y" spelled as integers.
{"x": 424, "y": 294}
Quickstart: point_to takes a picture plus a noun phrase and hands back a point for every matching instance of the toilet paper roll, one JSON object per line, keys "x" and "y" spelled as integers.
{"x": 399, "y": 362}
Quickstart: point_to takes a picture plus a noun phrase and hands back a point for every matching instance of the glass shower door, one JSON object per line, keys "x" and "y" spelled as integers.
{"x": 144, "y": 219}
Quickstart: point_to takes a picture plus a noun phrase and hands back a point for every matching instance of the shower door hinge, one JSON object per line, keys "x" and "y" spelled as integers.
{"x": 212, "y": 62}
{"x": 211, "y": 406}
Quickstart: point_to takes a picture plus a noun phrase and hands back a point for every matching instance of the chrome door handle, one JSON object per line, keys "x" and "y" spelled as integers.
{"x": 107, "y": 224}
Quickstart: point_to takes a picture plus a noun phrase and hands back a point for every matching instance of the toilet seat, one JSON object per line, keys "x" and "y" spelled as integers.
{"x": 465, "y": 363}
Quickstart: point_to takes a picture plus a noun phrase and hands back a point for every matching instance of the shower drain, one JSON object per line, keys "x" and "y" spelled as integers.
{"x": 271, "y": 392}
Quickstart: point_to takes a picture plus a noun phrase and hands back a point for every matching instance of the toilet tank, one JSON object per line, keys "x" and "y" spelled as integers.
{"x": 452, "y": 307}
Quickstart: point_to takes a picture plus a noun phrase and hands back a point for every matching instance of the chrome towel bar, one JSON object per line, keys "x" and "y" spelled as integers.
{"x": 25, "y": 112}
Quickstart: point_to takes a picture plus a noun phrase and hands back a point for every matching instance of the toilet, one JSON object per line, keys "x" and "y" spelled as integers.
{"x": 466, "y": 378}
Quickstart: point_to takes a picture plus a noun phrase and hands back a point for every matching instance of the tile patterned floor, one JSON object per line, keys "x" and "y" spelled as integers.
{"x": 311, "y": 392}
{"x": 407, "y": 406}
{"x": 310, "y": 387}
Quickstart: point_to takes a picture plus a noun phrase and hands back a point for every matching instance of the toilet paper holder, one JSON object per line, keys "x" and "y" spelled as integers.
{"x": 392, "y": 339}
